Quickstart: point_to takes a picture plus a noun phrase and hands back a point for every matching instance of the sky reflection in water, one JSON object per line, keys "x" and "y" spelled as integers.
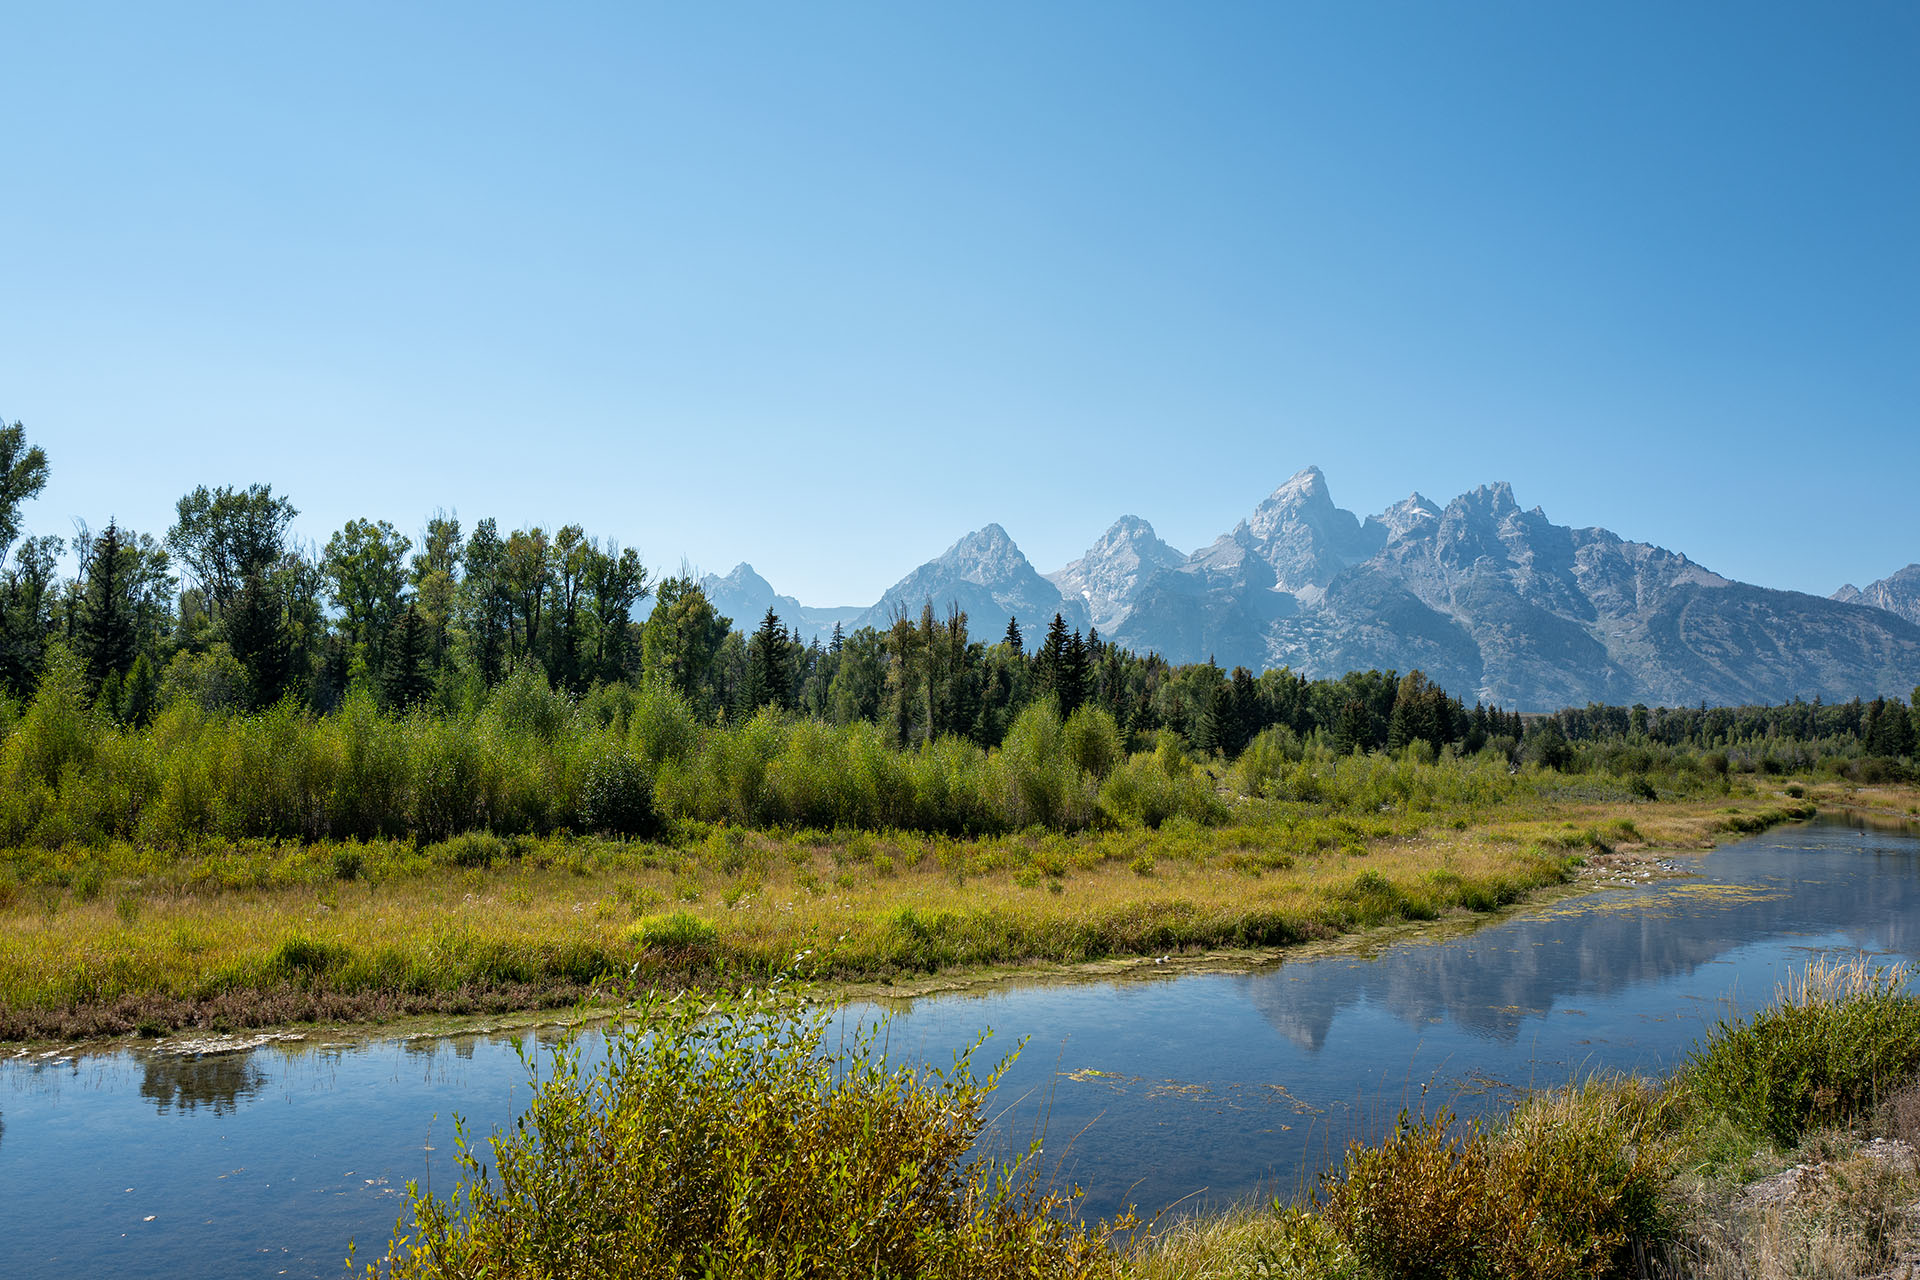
{"x": 1200, "y": 1089}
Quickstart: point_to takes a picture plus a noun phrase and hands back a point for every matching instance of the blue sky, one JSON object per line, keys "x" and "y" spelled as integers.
{"x": 824, "y": 287}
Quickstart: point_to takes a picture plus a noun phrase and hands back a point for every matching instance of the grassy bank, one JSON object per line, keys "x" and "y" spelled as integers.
{"x": 122, "y": 937}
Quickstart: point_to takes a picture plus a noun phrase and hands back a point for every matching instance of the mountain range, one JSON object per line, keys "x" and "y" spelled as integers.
{"x": 1491, "y": 601}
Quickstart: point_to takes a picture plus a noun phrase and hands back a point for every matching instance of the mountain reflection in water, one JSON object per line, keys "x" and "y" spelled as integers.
{"x": 1154, "y": 1089}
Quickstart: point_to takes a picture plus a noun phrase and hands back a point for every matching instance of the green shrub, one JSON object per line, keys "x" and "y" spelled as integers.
{"x": 681, "y": 934}
{"x": 720, "y": 1141}
{"x": 1570, "y": 1188}
{"x": 1839, "y": 1037}
{"x": 618, "y": 797}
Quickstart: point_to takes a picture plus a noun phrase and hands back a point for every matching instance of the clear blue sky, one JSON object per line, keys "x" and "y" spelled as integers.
{"x": 826, "y": 286}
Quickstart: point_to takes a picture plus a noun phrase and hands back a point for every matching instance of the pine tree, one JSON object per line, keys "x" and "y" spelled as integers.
{"x": 1017, "y": 643}
{"x": 1072, "y": 677}
{"x": 405, "y": 679}
{"x": 1050, "y": 662}
{"x": 139, "y": 692}
{"x": 1353, "y": 731}
{"x": 257, "y": 634}
{"x": 105, "y": 633}
{"x": 767, "y": 666}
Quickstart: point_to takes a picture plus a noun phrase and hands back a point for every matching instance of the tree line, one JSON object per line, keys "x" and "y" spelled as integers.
{"x": 225, "y": 609}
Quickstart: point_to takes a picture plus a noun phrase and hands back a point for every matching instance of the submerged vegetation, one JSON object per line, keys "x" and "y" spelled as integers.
{"x": 718, "y": 1140}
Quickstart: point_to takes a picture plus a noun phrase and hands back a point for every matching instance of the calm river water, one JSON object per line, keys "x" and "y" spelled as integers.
{"x": 1199, "y": 1089}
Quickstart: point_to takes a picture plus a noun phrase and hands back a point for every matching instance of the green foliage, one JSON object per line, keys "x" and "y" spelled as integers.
{"x": 618, "y": 797}
{"x": 680, "y": 934}
{"x": 719, "y": 1140}
{"x": 1839, "y": 1037}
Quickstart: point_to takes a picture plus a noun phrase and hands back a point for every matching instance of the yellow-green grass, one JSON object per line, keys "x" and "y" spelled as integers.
{"x": 104, "y": 941}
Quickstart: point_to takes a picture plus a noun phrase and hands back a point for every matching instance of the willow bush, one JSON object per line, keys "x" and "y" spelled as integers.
{"x": 720, "y": 1140}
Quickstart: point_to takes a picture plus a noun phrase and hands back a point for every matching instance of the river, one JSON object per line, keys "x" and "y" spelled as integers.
{"x": 1160, "y": 1089}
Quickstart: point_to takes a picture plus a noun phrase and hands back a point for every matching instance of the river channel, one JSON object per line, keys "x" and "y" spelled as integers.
{"x": 1160, "y": 1089}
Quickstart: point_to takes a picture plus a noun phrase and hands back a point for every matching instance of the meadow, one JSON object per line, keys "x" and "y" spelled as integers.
{"x": 225, "y": 871}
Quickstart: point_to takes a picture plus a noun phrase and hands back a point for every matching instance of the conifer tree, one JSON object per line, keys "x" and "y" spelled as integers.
{"x": 104, "y": 632}
{"x": 257, "y": 634}
{"x": 405, "y": 680}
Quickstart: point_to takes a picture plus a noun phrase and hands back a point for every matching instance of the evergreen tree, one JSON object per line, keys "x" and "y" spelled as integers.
{"x": 1014, "y": 641}
{"x": 104, "y": 631}
{"x": 257, "y": 635}
{"x": 1049, "y": 663}
{"x": 405, "y": 679}
{"x": 767, "y": 665}
{"x": 1353, "y": 731}
{"x": 139, "y": 693}
{"x": 1071, "y": 681}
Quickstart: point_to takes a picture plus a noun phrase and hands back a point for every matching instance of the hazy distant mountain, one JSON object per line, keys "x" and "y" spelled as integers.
{"x": 1898, "y": 592}
{"x": 1503, "y": 604}
{"x": 1492, "y": 601}
{"x": 745, "y": 596}
{"x": 987, "y": 577}
{"x": 1110, "y": 575}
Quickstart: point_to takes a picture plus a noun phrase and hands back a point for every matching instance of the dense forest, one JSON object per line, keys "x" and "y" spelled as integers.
{"x": 225, "y": 624}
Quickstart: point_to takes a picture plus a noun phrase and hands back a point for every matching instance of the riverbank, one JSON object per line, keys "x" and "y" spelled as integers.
{"x": 1784, "y": 1146}
{"x": 1787, "y": 1148}
{"x": 121, "y": 940}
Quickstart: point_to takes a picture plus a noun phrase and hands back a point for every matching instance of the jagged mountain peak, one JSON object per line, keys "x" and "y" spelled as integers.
{"x": 986, "y": 555}
{"x": 742, "y": 577}
{"x": 1301, "y": 533}
{"x": 1494, "y": 499}
{"x": 986, "y": 576}
{"x": 1109, "y": 576}
{"x": 1409, "y": 515}
{"x": 1897, "y": 593}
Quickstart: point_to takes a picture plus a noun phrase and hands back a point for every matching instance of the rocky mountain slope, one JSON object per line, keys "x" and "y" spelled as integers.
{"x": 986, "y": 577}
{"x": 1492, "y": 601}
{"x": 1898, "y": 592}
{"x": 745, "y": 596}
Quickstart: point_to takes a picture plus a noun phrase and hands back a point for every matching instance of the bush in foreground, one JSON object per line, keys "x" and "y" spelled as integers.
{"x": 718, "y": 1141}
{"x": 1839, "y": 1039}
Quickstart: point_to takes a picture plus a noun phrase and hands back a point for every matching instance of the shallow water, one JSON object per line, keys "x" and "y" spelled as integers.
{"x": 1195, "y": 1089}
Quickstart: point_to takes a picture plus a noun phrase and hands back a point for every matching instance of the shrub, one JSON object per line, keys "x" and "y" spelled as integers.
{"x": 1836, "y": 1040}
{"x": 1569, "y": 1189}
{"x": 681, "y": 934}
{"x": 618, "y": 797}
{"x": 720, "y": 1141}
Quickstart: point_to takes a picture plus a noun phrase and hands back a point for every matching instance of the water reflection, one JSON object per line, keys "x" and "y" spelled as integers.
{"x": 1149, "y": 1089}
{"x": 219, "y": 1082}
{"x": 1492, "y": 982}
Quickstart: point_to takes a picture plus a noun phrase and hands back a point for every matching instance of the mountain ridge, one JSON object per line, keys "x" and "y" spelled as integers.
{"x": 1490, "y": 600}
